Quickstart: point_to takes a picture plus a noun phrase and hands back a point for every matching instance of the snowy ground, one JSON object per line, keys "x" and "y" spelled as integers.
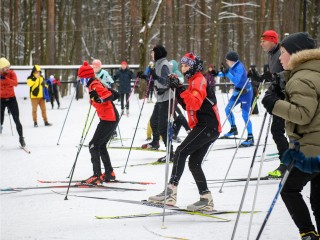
{"x": 42, "y": 214}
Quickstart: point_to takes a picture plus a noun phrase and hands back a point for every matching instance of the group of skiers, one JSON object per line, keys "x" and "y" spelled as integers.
{"x": 292, "y": 100}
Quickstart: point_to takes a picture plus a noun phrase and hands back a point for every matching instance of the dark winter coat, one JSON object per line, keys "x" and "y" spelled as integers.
{"x": 124, "y": 77}
{"x": 301, "y": 108}
{"x": 273, "y": 60}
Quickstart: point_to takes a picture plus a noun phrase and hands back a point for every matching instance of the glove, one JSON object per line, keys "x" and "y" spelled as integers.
{"x": 304, "y": 164}
{"x": 140, "y": 74}
{"x": 269, "y": 100}
{"x": 224, "y": 68}
{"x": 173, "y": 81}
{"x": 115, "y": 94}
{"x": 220, "y": 74}
{"x": 267, "y": 76}
{"x": 276, "y": 88}
{"x": 2, "y": 77}
{"x": 94, "y": 96}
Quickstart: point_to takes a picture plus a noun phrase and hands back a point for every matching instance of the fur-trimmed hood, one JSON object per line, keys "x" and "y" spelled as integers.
{"x": 301, "y": 57}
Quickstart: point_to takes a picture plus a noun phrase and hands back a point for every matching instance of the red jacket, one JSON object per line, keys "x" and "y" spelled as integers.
{"x": 7, "y": 84}
{"x": 105, "y": 110}
{"x": 200, "y": 111}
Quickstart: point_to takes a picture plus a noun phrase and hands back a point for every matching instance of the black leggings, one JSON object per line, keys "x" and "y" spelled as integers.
{"x": 291, "y": 195}
{"x": 98, "y": 146}
{"x": 196, "y": 145}
{"x": 12, "y": 105}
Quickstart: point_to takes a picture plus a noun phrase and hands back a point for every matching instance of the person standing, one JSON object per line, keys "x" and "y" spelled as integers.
{"x": 237, "y": 74}
{"x": 53, "y": 84}
{"x": 37, "y": 84}
{"x": 269, "y": 44}
{"x": 102, "y": 74}
{"x": 159, "y": 117}
{"x": 124, "y": 75}
{"x": 8, "y": 80}
{"x": 101, "y": 99}
{"x": 204, "y": 121}
{"x": 300, "y": 108}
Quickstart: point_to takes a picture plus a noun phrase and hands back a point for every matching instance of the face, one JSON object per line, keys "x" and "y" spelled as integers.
{"x": 284, "y": 58}
{"x": 36, "y": 74}
{"x": 184, "y": 68}
{"x": 152, "y": 55}
{"x": 96, "y": 68}
{"x": 4, "y": 70}
{"x": 266, "y": 45}
{"x": 210, "y": 69}
{"x": 229, "y": 63}
{"x": 123, "y": 66}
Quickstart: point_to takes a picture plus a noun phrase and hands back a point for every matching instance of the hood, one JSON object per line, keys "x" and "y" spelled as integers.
{"x": 306, "y": 59}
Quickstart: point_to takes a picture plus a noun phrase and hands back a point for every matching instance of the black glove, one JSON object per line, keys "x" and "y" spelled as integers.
{"x": 267, "y": 76}
{"x": 2, "y": 77}
{"x": 173, "y": 81}
{"x": 153, "y": 74}
{"x": 269, "y": 100}
{"x": 224, "y": 68}
{"x": 140, "y": 74}
{"x": 94, "y": 96}
{"x": 276, "y": 88}
{"x": 115, "y": 94}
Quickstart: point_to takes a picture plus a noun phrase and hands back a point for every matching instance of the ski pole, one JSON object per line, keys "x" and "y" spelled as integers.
{"x": 65, "y": 119}
{"x": 249, "y": 175}
{"x": 168, "y": 149}
{"x": 233, "y": 106}
{"x": 259, "y": 175}
{"x": 9, "y": 113}
{"x": 135, "y": 131}
{"x": 76, "y": 159}
{"x": 281, "y": 184}
{"x": 119, "y": 135}
{"x": 83, "y": 131}
{"x": 239, "y": 142}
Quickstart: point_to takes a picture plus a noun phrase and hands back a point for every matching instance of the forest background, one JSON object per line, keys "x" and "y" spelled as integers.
{"x": 67, "y": 32}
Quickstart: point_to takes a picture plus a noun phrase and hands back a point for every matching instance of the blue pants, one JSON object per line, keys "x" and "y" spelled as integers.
{"x": 245, "y": 100}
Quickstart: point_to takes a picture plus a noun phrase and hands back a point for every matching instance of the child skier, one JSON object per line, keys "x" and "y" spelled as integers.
{"x": 101, "y": 99}
{"x": 205, "y": 124}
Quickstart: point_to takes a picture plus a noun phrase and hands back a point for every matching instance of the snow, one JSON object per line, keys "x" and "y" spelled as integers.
{"x": 41, "y": 214}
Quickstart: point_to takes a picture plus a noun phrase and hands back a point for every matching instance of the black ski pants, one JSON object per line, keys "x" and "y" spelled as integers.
{"x": 159, "y": 121}
{"x": 195, "y": 145}
{"x": 12, "y": 105}
{"x": 291, "y": 195}
{"x": 122, "y": 100}
{"x": 278, "y": 134}
{"x": 98, "y": 146}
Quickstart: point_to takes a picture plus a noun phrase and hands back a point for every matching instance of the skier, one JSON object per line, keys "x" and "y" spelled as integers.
{"x": 159, "y": 117}
{"x": 269, "y": 43}
{"x": 204, "y": 121}
{"x": 8, "y": 80}
{"x": 37, "y": 94}
{"x": 124, "y": 75}
{"x": 237, "y": 74}
{"x": 301, "y": 111}
{"x": 102, "y": 74}
{"x": 101, "y": 99}
{"x": 53, "y": 90}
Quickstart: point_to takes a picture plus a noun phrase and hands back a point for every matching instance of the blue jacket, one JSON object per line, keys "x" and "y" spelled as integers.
{"x": 238, "y": 75}
{"x": 124, "y": 77}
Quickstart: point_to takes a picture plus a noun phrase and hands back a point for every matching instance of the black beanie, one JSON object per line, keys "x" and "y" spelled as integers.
{"x": 159, "y": 52}
{"x": 232, "y": 56}
{"x": 297, "y": 42}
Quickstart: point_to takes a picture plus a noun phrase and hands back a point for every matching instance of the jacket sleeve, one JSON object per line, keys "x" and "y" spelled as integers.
{"x": 103, "y": 92}
{"x": 164, "y": 73}
{"x": 12, "y": 79}
{"x": 302, "y": 104}
{"x": 194, "y": 97}
{"x": 235, "y": 75}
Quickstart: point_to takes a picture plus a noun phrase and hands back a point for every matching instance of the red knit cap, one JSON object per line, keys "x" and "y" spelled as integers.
{"x": 270, "y": 36}
{"x": 85, "y": 71}
{"x": 124, "y": 63}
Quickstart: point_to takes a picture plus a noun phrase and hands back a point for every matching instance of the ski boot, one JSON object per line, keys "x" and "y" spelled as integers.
{"x": 164, "y": 158}
{"x": 22, "y": 142}
{"x": 248, "y": 142}
{"x": 204, "y": 204}
{"x": 152, "y": 145}
{"x": 35, "y": 124}
{"x": 312, "y": 235}
{"x": 232, "y": 133}
{"x": 127, "y": 112}
{"x": 170, "y": 199}
{"x": 93, "y": 180}
{"x": 108, "y": 176}
{"x": 1, "y": 129}
{"x": 279, "y": 172}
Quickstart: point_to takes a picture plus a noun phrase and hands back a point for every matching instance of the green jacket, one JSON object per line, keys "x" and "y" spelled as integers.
{"x": 301, "y": 108}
